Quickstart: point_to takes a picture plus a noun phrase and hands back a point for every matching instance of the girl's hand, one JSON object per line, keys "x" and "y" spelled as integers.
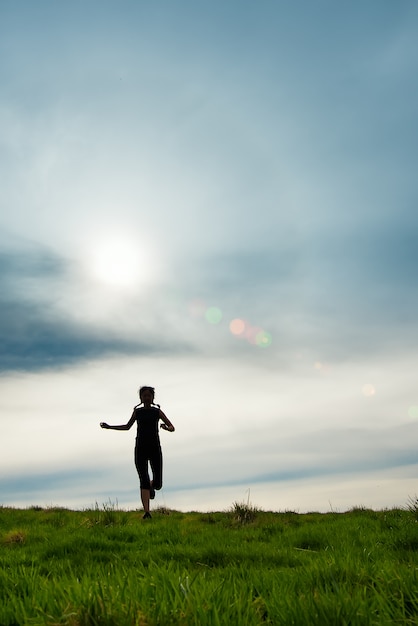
{"x": 169, "y": 428}
{"x": 104, "y": 425}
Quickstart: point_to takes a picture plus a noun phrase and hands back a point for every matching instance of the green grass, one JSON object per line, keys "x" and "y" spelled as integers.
{"x": 240, "y": 567}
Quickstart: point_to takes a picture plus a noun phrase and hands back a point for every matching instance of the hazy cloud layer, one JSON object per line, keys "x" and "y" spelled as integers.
{"x": 39, "y": 324}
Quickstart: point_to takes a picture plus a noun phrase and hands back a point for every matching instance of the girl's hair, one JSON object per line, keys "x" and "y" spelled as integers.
{"x": 152, "y": 390}
{"x": 146, "y": 388}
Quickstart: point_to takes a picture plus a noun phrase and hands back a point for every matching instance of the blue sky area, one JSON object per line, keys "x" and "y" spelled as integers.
{"x": 219, "y": 200}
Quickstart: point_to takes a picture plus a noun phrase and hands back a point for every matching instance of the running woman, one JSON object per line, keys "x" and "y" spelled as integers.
{"x": 147, "y": 447}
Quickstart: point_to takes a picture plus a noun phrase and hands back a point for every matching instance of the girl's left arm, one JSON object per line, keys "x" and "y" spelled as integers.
{"x": 166, "y": 425}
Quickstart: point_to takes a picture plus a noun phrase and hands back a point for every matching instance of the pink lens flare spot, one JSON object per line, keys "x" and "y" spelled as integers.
{"x": 251, "y": 334}
{"x": 237, "y": 327}
{"x": 368, "y": 390}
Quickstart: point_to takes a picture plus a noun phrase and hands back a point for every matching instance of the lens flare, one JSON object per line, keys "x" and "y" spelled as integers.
{"x": 255, "y": 335}
{"x": 213, "y": 315}
{"x": 263, "y": 339}
{"x": 368, "y": 390}
{"x": 237, "y": 326}
{"x": 252, "y": 332}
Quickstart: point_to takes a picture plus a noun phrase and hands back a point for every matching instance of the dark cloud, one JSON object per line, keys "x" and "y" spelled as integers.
{"x": 34, "y": 336}
{"x": 25, "y": 484}
{"x": 28, "y": 271}
{"x": 29, "y": 263}
{"x": 325, "y": 452}
{"x": 378, "y": 461}
{"x": 31, "y": 341}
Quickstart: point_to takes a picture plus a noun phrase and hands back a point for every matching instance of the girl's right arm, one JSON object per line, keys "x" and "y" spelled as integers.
{"x": 121, "y": 426}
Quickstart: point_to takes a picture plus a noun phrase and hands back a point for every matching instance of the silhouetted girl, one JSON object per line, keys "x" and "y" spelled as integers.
{"x": 147, "y": 447}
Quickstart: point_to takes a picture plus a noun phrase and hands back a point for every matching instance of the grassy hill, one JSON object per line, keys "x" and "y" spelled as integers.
{"x": 247, "y": 567}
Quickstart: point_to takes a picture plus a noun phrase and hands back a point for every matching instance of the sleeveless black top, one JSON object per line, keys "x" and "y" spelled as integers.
{"x": 147, "y": 425}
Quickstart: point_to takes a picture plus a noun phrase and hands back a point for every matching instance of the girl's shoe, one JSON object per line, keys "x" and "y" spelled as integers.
{"x": 146, "y": 515}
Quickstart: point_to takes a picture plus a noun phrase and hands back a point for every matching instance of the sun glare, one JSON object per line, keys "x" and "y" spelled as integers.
{"x": 119, "y": 262}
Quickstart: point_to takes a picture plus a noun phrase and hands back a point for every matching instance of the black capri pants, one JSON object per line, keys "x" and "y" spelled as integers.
{"x": 152, "y": 455}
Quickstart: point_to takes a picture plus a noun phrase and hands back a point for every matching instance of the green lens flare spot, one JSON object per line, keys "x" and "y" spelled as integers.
{"x": 263, "y": 339}
{"x": 213, "y": 315}
{"x": 413, "y": 412}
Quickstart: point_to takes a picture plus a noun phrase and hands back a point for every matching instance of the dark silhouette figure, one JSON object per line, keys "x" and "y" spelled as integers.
{"x": 147, "y": 447}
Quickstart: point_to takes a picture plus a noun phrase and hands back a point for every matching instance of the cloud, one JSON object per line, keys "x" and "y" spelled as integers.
{"x": 338, "y": 478}
{"x": 244, "y": 422}
{"x": 25, "y": 485}
{"x": 284, "y": 455}
{"x": 43, "y": 323}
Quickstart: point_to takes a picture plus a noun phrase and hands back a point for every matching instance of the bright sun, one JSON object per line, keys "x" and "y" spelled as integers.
{"x": 118, "y": 262}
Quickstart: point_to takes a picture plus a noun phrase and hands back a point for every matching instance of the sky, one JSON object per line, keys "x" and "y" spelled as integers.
{"x": 218, "y": 200}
